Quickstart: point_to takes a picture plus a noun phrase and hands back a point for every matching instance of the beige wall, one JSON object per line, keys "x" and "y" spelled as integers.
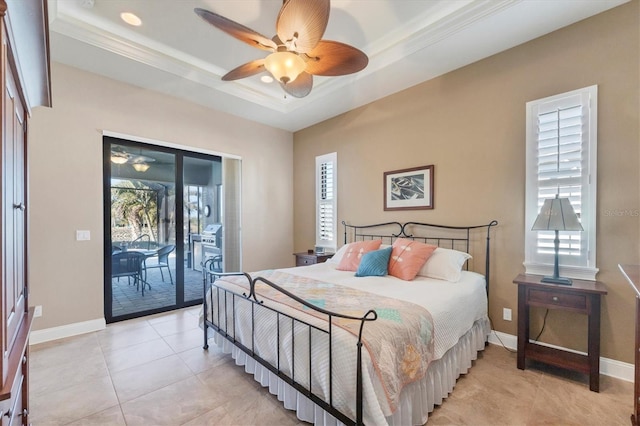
{"x": 470, "y": 124}
{"x": 65, "y": 155}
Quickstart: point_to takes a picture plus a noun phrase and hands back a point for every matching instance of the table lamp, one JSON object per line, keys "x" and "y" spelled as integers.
{"x": 557, "y": 215}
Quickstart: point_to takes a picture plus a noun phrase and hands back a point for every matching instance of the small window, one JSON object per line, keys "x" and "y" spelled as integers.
{"x": 561, "y": 160}
{"x": 326, "y": 201}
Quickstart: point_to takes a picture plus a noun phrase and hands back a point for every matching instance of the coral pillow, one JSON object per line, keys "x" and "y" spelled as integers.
{"x": 351, "y": 258}
{"x": 407, "y": 258}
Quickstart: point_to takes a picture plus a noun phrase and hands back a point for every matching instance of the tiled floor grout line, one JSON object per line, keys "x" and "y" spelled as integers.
{"x": 160, "y": 337}
{"x": 174, "y": 353}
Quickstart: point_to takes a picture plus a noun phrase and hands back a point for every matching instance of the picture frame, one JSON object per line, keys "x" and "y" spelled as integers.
{"x": 409, "y": 189}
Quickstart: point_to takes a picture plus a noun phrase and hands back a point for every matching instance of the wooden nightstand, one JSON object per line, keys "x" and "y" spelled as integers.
{"x": 303, "y": 259}
{"x": 581, "y": 297}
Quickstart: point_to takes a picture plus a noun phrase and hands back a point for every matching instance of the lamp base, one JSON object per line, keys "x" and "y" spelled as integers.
{"x": 557, "y": 280}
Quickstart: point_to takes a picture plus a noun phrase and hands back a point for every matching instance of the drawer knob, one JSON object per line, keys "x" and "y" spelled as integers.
{"x": 24, "y": 360}
{"x": 25, "y": 412}
{"x": 554, "y": 298}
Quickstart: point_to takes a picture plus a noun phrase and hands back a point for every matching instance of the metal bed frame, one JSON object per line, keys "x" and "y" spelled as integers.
{"x": 459, "y": 238}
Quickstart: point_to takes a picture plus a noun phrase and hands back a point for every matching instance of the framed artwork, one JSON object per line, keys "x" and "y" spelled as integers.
{"x": 409, "y": 189}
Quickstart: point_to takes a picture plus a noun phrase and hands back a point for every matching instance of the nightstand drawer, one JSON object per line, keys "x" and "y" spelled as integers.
{"x": 555, "y": 298}
{"x": 305, "y": 260}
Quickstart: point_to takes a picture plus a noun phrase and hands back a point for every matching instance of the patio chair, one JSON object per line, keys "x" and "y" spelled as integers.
{"x": 162, "y": 261}
{"x": 129, "y": 264}
{"x": 143, "y": 242}
{"x": 216, "y": 263}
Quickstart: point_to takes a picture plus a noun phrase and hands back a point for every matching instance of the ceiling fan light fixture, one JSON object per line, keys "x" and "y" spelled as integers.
{"x": 285, "y": 66}
{"x": 141, "y": 166}
{"x": 297, "y": 51}
{"x": 118, "y": 159}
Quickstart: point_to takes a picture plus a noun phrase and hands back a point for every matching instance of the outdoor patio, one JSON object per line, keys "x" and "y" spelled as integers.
{"x": 128, "y": 299}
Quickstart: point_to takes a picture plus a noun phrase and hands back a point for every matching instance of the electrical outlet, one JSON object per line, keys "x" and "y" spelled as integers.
{"x": 506, "y": 314}
{"x": 38, "y": 311}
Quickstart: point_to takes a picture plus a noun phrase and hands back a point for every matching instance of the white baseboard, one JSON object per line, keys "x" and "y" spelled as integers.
{"x": 608, "y": 367}
{"x": 509, "y": 340}
{"x": 69, "y": 330}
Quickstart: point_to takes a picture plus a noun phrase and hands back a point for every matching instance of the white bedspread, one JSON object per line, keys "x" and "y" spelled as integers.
{"x": 455, "y": 307}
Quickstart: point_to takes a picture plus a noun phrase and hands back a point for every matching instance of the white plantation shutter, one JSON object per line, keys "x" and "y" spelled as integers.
{"x": 561, "y": 147}
{"x": 560, "y": 170}
{"x": 326, "y": 201}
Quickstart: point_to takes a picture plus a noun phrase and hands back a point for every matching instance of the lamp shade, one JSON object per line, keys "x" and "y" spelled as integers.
{"x": 285, "y": 66}
{"x": 557, "y": 214}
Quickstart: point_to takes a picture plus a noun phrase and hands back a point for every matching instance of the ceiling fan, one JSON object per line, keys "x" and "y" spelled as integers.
{"x": 298, "y": 53}
{"x": 139, "y": 162}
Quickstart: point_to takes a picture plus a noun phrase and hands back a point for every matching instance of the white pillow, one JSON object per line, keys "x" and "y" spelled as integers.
{"x": 444, "y": 264}
{"x": 336, "y": 258}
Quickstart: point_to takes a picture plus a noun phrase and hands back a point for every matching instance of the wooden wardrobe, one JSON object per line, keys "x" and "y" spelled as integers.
{"x": 25, "y": 80}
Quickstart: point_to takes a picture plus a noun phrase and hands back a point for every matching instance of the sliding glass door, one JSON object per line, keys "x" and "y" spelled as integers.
{"x": 154, "y": 254}
{"x": 202, "y": 184}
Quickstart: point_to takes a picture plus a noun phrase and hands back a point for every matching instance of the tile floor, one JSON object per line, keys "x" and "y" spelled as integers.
{"x": 153, "y": 371}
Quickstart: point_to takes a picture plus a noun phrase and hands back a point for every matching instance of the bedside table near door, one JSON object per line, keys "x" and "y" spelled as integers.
{"x": 303, "y": 259}
{"x": 582, "y": 297}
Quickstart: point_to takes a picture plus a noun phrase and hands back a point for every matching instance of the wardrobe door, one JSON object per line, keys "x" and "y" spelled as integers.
{"x": 14, "y": 206}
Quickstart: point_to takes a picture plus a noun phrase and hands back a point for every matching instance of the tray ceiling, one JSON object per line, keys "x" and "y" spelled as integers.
{"x": 407, "y": 41}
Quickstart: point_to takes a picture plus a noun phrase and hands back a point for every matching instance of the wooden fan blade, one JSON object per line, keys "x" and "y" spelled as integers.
{"x": 246, "y": 70}
{"x": 300, "y": 87}
{"x": 332, "y": 58}
{"x": 236, "y": 30}
{"x": 304, "y": 20}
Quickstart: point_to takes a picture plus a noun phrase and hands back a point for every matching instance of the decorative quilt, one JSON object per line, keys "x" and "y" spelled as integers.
{"x": 399, "y": 341}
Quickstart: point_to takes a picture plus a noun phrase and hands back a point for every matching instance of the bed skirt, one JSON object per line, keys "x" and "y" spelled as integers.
{"x": 418, "y": 399}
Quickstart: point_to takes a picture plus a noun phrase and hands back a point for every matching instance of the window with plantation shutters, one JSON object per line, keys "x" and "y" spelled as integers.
{"x": 326, "y": 201}
{"x": 561, "y": 160}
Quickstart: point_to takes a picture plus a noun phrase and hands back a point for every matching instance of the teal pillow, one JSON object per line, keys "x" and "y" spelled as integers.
{"x": 374, "y": 263}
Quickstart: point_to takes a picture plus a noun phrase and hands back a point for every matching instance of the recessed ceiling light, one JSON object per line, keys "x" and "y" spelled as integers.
{"x": 131, "y": 19}
{"x": 266, "y": 79}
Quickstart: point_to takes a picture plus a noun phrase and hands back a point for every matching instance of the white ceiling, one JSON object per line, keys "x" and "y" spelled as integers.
{"x": 407, "y": 41}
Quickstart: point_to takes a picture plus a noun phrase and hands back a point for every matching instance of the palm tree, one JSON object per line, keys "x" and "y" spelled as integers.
{"x": 134, "y": 203}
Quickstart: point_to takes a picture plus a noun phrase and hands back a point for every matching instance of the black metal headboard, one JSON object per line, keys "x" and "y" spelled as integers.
{"x": 452, "y": 237}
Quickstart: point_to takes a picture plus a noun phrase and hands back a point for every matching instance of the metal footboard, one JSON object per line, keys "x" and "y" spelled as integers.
{"x": 220, "y": 311}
